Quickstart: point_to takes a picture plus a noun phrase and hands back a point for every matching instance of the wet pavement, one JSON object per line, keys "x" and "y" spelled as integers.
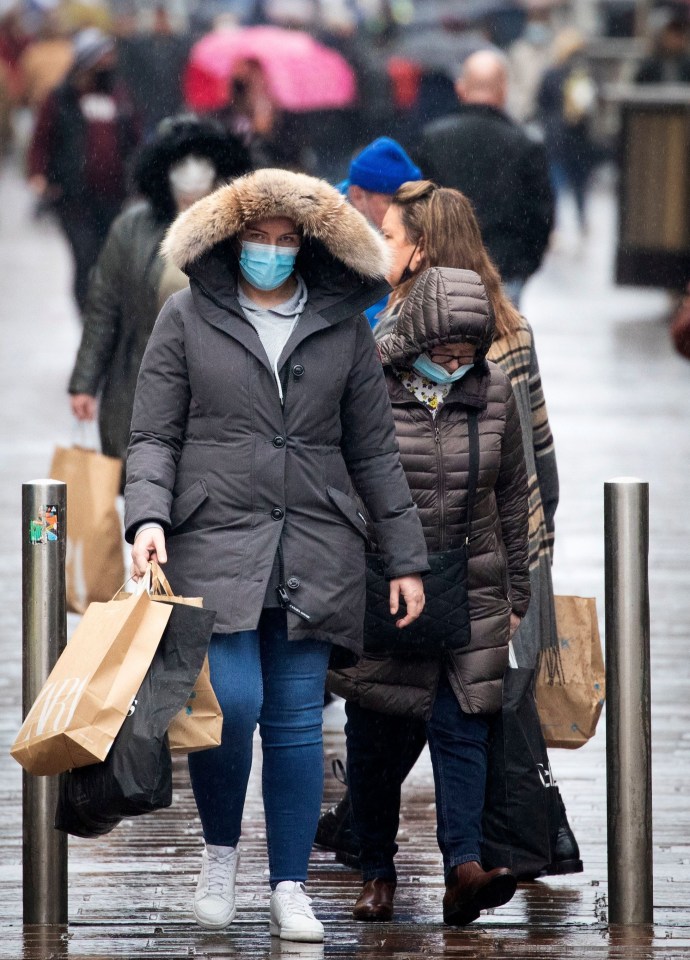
{"x": 619, "y": 402}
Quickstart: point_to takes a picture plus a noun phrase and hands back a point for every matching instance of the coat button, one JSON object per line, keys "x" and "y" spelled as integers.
{"x": 279, "y": 442}
{"x": 298, "y": 370}
{"x": 277, "y": 513}
{"x": 293, "y": 583}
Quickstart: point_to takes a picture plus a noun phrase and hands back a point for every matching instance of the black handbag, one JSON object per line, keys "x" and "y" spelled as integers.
{"x": 444, "y": 624}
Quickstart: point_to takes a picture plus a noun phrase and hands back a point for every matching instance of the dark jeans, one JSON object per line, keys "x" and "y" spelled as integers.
{"x": 85, "y": 225}
{"x": 379, "y": 747}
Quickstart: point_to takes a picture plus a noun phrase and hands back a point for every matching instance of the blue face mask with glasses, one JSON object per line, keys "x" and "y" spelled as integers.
{"x": 437, "y": 374}
{"x": 267, "y": 267}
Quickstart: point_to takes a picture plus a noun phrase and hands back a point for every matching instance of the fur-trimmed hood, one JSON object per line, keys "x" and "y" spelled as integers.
{"x": 331, "y": 227}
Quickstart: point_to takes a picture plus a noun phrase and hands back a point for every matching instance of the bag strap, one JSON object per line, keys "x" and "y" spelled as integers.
{"x": 154, "y": 582}
{"x": 160, "y": 586}
{"x": 473, "y": 481}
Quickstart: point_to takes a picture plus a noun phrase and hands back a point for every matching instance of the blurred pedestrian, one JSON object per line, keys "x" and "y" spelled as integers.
{"x": 152, "y": 61}
{"x": 670, "y": 61}
{"x": 502, "y": 170}
{"x": 260, "y": 408}
{"x": 188, "y": 158}
{"x": 46, "y": 61}
{"x": 274, "y": 137}
{"x": 567, "y": 102}
{"x": 439, "y": 330}
{"x": 375, "y": 174}
{"x": 14, "y": 39}
{"x": 6, "y": 106}
{"x": 525, "y": 844}
{"x": 85, "y": 134}
{"x": 529, "y": 57}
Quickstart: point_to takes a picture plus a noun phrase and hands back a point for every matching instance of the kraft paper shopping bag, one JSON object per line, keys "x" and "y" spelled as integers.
{"x": 199, "y": 725}
{"x": 94, "y": 564}
{"x": 87, "y": 696}
{"x": 571, "y": 683}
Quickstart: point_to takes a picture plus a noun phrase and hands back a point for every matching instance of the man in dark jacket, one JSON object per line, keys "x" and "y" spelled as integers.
{"x": 85, "y": 133}
{"x": 670, "y": 62}
{"x": 488, "y": 157}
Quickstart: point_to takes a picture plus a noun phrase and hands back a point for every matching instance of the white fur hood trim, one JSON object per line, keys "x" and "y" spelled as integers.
{"x": 318, "y": 209}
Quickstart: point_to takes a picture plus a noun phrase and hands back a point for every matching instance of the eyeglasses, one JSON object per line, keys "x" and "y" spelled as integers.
{"x": 448, "y": 357}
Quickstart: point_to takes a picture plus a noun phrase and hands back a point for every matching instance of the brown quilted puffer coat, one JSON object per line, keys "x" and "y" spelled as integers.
{"x": 445, "y": 306}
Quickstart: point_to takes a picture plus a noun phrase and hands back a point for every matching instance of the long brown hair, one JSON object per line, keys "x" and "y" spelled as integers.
{"x": 442, "y": 222}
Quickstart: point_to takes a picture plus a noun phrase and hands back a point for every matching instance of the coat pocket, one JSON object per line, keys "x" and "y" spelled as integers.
{"x": 348, "y": 508}
{"x": 184, "y": 505}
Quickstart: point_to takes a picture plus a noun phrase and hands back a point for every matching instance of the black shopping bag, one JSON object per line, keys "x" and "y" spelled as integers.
{"x": 522, "y": 811}
{"x": 136, "y": 776}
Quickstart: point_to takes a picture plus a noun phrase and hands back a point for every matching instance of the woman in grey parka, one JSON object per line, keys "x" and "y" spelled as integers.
{"x": 261, "y": 408}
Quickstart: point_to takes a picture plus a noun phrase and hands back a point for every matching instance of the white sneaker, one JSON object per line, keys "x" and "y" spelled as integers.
{"x": 291, "y": 915}
{"x": 214, "y": 900}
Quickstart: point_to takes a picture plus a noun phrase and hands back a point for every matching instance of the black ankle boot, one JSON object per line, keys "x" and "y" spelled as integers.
{"x": 566, "y": 857}
{"x": 336, "y": 832}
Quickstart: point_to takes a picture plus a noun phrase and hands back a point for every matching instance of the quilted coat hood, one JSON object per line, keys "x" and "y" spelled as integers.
{"x": 331, "y": 227}
{"x": 445, "y": 305}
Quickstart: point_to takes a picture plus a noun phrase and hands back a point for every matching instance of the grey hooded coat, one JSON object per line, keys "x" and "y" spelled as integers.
{"x": 230, "y": 473}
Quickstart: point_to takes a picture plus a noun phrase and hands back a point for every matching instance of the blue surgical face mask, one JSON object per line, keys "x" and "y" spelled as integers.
{"x": 267, "y": 267}
{"x": 437, "y": 374}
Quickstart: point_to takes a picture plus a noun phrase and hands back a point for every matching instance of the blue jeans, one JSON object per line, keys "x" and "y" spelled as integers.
{"x": 261, "y": 677}
{"x": 377, "y": 749}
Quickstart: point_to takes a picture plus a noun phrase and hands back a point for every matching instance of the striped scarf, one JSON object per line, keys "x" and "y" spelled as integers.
{"x": 513, "y": 354}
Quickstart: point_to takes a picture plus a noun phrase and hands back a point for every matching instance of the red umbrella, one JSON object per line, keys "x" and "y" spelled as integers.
{"x": 301, "y": 74}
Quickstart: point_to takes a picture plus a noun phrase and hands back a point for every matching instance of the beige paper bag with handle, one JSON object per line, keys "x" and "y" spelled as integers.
{"x": 198, "y": 726}
{"x": 95, "y": 564}
{"x": 87, "y": 696}
{"x": 571, "y": 682}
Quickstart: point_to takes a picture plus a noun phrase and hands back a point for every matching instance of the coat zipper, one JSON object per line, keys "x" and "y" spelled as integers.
{"x": 283, "y": 596}
{"x": 440, "y": 488}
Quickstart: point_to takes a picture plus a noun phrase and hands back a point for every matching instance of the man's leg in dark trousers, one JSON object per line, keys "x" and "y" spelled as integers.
{"x": 378, "y": 750}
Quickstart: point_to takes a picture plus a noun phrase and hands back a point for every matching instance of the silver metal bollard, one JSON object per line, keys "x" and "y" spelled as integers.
{"x": 628, "y": 714}
{"x": 44, "y": 634}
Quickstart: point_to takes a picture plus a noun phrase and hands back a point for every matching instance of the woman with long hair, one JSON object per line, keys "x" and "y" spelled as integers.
{"x": 460, "y": 440}
{"x": 429, "y": 227}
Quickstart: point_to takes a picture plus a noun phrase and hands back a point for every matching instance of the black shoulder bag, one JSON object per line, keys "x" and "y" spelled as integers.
{"x": 445, "y": 621}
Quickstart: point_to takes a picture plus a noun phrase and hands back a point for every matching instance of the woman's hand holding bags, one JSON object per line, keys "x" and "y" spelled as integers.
{"x": 149, "y": 547}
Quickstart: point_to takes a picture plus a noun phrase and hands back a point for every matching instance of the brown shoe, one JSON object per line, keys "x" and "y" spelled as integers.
{"x": 469, "y": 889}
{"x": 375, "y": 903}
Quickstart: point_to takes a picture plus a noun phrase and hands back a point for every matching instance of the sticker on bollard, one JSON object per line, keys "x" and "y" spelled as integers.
{"x": 45, "y": 528}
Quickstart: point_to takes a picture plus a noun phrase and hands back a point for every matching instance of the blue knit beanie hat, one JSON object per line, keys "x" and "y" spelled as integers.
{"x": 382, "y": 167}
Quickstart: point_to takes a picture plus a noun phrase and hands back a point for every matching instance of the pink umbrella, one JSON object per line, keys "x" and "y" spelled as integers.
{"x": 301, "y": 74}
